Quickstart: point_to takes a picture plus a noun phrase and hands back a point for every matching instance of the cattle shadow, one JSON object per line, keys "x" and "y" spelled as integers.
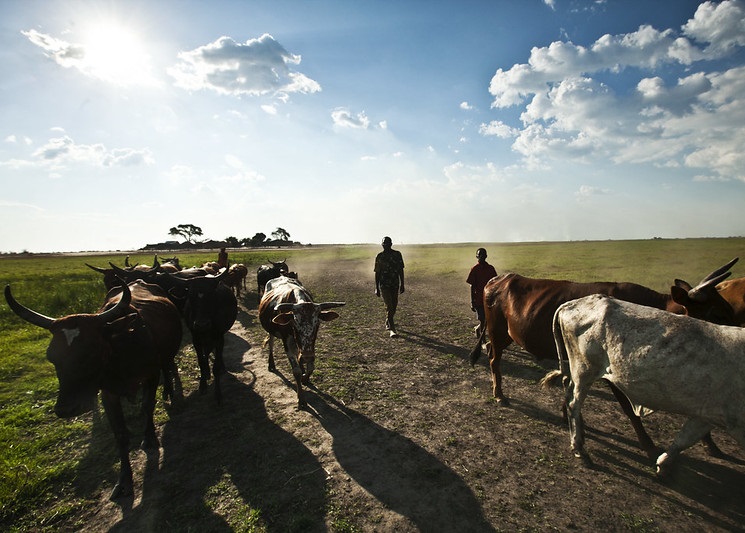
{"x": 235, "y": 451}
{"x": 713, "y": 492}
{"x": 397, "y": 472}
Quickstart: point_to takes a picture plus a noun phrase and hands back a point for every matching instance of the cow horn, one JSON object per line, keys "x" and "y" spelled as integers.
{"x": 37, "y": 319}
{"x": 121, "y": 307}
{"x": 97, "y": 269}
{"x": 719, "y": 271}
{"x": 329, "y": 305}
{"x": 699, "y": 294}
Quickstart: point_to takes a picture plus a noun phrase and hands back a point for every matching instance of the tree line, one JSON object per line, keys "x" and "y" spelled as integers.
{"x": 190, "y": 233}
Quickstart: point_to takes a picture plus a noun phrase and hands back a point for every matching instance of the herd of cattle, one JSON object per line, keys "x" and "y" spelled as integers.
{"x": 133, "y": 339}
{"x": 682, "y": 352}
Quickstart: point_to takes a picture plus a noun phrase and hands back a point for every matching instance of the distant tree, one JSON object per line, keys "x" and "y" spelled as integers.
{"x": 281, "y": 234}
{"x": 258, "y": 239}
{"x": 232, "y": 242}
{"x": 187, "y": 231}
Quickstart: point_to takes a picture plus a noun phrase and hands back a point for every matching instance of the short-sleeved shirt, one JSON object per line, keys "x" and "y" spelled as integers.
{"x": 478, "y": 277}
{"x": 388, "y": 265}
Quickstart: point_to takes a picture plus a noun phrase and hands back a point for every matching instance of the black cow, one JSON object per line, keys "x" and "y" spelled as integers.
{"x": 127, "y": 344}
{"x": 210, "y": 309}
{"x": 265, "y": 272}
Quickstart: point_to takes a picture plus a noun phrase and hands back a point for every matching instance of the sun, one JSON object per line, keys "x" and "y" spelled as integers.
{"x": 116, "y": 54}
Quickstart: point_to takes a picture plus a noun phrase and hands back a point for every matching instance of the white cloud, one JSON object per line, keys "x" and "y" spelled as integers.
{"x": 465, "y": 106}
{"x": 697, "y": 121}
{"x": 345, "y": 119}
{"x": 257, "y": 67}
{"x": 60, "y": 152}
{"x": 721, "y": 25}
{"x": 112, "y": 54}
{"x": 498, "y": 129}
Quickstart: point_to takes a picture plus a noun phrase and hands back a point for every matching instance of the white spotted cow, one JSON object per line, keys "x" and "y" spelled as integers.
{"x": 287, "y": 311}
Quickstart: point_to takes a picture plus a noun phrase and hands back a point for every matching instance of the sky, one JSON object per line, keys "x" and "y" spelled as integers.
{"x": 341, "y": 121}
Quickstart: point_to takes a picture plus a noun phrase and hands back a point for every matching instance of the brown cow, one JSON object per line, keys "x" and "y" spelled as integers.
{"x": 287, "y": 311}
{"x": 521, "y": 310}
{"x": 236, "y": 277}
{"x": 128, "y": 343}
{"x": 733, "y": 290}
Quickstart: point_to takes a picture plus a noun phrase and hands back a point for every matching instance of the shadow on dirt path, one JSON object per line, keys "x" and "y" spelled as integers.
{"x": 404, "y": 477}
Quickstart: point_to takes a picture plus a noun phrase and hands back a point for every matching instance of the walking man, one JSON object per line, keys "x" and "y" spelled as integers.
{"x": 478, "y": 277}
{"x": 389, "y": 281}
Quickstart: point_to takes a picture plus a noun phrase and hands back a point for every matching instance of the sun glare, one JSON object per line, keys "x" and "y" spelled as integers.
{"x": 116, "y": 54}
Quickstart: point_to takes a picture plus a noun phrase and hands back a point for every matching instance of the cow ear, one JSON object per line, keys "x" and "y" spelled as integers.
{"x": 683, "y": 284}
{"x": 328, "y": 316}
{"x": 679, "y": 294}
{"x": 282, "y": 319}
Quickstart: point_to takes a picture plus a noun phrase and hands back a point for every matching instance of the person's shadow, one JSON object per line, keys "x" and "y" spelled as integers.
{"x": 400, "y": 474}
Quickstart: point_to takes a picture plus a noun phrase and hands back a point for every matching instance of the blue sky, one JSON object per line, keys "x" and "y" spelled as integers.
{"x": 343, "y": 121}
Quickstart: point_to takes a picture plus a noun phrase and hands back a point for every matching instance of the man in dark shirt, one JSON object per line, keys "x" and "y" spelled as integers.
{"x": 389, "y": 280}
{"x": 478, "y": 277}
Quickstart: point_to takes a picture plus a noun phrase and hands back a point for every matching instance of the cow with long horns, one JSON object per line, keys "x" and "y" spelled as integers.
{"x": 127, "y": 344}
{"x": 287, "y": 311}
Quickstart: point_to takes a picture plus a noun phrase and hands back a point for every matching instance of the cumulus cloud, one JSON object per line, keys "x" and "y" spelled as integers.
{"x": 498, "y": 129}
{"x": 257, "y": 67}
{"x": 61, "y": 152}
{"x": 576, "y": 103}
{"x": 344, "y": 118}
{"x": 465, "y": 106}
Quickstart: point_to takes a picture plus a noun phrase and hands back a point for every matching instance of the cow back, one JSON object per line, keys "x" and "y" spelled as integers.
{"x": 526, "y": 306}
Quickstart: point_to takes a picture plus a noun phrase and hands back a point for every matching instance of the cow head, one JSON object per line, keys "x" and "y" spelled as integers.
{"x": 305, "y": 319}
{"x": 79, "y": 349}
{"x": 202, "y": 300}
{"x": 704, "y": 301}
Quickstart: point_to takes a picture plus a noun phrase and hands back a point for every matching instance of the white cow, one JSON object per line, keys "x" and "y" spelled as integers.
{"x": 661, "y": 361}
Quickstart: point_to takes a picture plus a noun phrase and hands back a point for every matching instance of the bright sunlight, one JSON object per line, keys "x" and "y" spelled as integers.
{"x": 116, "y": 54}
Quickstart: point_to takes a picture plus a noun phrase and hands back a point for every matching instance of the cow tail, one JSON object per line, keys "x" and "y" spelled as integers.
{"x": 476, "y": 352}
{"x": 552, "y": 377}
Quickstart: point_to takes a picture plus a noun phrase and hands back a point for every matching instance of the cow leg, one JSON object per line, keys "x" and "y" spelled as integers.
{"x": 203, "y": 359}
{"x": 495, "y": 363}
{"x": 693, "y": 430}
{"x": 218, "y": 367}
{"x": 113, "y": 407}
{"x": 645, "y": 441}
{"x": 297, "y": 372}
{"x": 150, "y": 439}
{"x": 712, "y": 450}
{"x": 575, "y": 397}
{"x": 272, "y": 366}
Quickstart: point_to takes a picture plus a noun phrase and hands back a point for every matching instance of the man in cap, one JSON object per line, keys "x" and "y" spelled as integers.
{"x": 478, "y": 277}
{"x": 389, "y": 280}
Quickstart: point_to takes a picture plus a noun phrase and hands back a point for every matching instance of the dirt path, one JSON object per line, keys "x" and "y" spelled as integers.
{"x": 402, "y": 435}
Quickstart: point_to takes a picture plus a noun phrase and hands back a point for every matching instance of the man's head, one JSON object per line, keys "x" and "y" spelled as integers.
{"x": 481, "y": 254}
{"x": 387, "y": 242}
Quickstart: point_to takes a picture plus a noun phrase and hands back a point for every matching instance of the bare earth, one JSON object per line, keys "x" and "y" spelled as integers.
{"x": 402, "y": 435}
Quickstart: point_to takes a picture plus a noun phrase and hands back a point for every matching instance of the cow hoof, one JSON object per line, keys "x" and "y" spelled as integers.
{"x": 202, "y": 386}
{"x": 502, "y": 402}
{"x": 121, "y": 490}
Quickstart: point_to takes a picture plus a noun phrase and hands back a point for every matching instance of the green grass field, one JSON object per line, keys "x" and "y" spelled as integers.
{"x": 40, "y": 453}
